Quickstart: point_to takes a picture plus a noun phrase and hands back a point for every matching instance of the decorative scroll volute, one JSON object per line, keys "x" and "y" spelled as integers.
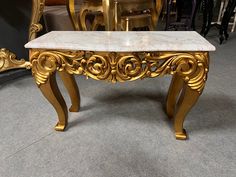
{"x": 130, "y": 68}
{"x": 193, "y": 67}
{"x": 97, "y": 67}
{"x": 45, "y": 63}
{"x": 9, "y": 61}
{"x": 113, "y": 67}
{"x": 121, "y": 67}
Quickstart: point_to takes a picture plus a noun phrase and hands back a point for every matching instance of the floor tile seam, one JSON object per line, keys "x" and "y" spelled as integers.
{"x": 27, "y": 146}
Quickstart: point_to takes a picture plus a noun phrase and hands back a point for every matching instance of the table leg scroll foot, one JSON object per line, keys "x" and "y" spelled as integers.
{"x": 51, "y": 91}
{"x": 60, "y": 127}
{"x": 173, "y": 93}
{"x": 73, "y": 90}
{"x": 186, "y": 101}
{"x": 181, "y": 135}
{"x": 74, "y": 108}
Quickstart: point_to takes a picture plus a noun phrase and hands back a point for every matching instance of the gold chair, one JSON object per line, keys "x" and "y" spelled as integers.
{"x": 173, "y": 11}
{"x": 70, "y": 5}
{"x": 113, "y": 14}
{"x": 102, "y": 10}
{"x": 137, "y": 14}
{"x": 92, "y": 7}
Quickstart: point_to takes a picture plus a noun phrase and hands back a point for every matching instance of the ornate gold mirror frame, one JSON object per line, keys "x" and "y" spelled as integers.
{"x": 8, "y": 59}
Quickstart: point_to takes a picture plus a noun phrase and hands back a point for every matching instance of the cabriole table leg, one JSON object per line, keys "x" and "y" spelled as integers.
{"x": 44, "y": 66}
{"x": 187, "y": 100}
{"x": 194, "y": 76}
{"x": 51, "y": 91}
{"x": 173, "y": 93}
{"x": 73, "y": 90}
{"x": 189, "y": 69}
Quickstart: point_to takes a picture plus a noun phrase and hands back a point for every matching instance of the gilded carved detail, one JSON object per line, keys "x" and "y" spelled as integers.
{"x": 121, "y": 67}
{"x": 9, "y": 61}
{"x": 37, "y": 12}
{"x": 192, "y": 67}
{"x": 44, "y": 63}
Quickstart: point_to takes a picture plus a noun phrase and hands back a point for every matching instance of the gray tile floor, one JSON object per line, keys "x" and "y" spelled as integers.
{"x": 122, "y": 129}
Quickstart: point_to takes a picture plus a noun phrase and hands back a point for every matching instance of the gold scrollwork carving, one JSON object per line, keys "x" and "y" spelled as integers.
{"x": 37, "y": 12}
{"x": 121, "y": 67}
{"x": 192, "y": 67}
{"x": 8, "y": 61}
{"x": 44, "y": 63}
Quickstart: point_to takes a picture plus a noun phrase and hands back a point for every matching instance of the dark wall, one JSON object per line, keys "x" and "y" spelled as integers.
{"x": 15, "y": 16}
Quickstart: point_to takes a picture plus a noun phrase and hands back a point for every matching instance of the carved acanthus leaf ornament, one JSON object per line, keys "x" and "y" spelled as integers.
{"x": 121, "y": 67}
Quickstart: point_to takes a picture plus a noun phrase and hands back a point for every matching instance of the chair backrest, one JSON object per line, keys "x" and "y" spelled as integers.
{"x": 153, "y": 7}
{"x": 181, "y": 12}
{"x": 134, "y": 7}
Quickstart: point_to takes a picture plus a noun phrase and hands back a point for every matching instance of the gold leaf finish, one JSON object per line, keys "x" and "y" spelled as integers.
{"x": 44, "y": 63}
{"x": 37, "y": 12}
{"x": 121, "y": 67}
{"x": 9, "y": 61}
{"x": 188, "y": 68}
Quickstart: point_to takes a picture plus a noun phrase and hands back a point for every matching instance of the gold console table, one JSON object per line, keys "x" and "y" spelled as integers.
{"x": 120, "y": 57}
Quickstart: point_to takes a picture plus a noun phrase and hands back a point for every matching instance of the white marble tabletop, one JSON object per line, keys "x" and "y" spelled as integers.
{"x": 114, "y": 41}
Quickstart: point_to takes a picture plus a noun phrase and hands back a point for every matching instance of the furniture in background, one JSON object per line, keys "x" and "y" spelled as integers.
{"x": 120, "y": 57}
{"x": 207, "y": 7}
{"x": 228, "y": 13}
{"x": 56, "y": 18}
{"x": 185, "y": 14}
{"x": 54, "y": 2}
{"x": 102, "y": 10}
{"x": 136, "y": 14}
{"x": 172, "y": 11}
{"x": 116, "y": 14}
{"x": 28, "y": 30}
{"x": 223, "y": 7}
{"x": 96, "y": 9}
{"x": 14, "y": 22}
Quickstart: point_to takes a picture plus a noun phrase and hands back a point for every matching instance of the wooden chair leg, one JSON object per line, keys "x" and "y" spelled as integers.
{"x": 108, "y": 12}
{"x": 151, "y": 27}
{"x": 70, "y": 6}
{"x": 82, "y": 19}
{"x": 127, "y": 26}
